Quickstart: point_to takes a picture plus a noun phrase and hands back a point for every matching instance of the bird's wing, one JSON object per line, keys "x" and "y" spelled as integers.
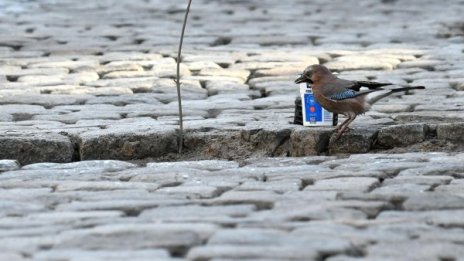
{"x": 337, "y": 86}
{"x": 341, "y": 89}
{"x": 370, "y": 85}
{"x": 349, "y": 93}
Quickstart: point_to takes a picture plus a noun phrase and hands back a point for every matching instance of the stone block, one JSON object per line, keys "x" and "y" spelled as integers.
{"x": 451, "y": 132}
{"x": 401, "y": 135}
{"x": 36, "y": 147}
{"x": 307, "y": 141}
{"x": 355, "y": 141}
{"x": 127, "y": 143}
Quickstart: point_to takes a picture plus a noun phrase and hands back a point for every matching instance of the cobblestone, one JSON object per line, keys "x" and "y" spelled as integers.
{"x": 89, "y": 168}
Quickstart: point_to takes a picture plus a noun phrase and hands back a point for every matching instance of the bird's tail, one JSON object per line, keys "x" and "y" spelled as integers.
{"x": 390, "y": 92}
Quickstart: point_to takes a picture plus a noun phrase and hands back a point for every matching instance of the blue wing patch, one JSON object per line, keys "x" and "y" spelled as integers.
{"x": 343, "y": 95}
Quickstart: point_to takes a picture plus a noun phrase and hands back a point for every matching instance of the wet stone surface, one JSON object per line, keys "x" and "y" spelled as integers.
{"x": 88, "y": 110}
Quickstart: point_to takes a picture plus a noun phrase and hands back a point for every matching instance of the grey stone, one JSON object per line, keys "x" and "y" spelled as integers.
{"x": 420, "y": 180}
{"x": 197, "y": 213}
{"x": 401, "y": 135}
{"x": 457, "y": 84}
{"x": 14, "y": 208}
{"x": 127, "y": 206}
{"x": 414, "y": 250}
{"x": 454, "y": 187}
{"x": 6, "y": 165}
{"x": 355, "y": 141}
{"x": 47, "y": 101}
{"x": 11, "y": 255}
{"x": 74, "y": 255}
{"x": 211, "y": 165}
{"x": 429, "y": 117}
{"x": 127, "y": 143}
{"x": 238, "y": 252}
{"x": 426, "y": 64}
{"x": 351, "y": 62}
{"x": 279, "y": 186}
{"x": 309, "y": 141}
{"x": 270, "y": 237}
{"x": 262, "y": 199}
{"x": 134, "y": 236}
{"x": 104, "y": 185}
{"x": 36, "y": 147}
{"x": 433, "y": 200}
{"x": 444, "y": 218}
{"x": 358, "y": 184}
{"x": 104, "y": 165}
{"x": 451, "y": 132}
{"x": 192, "y": 191}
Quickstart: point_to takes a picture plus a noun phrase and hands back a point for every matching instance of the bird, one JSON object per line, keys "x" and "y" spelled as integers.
{"x": 344, "y": 96}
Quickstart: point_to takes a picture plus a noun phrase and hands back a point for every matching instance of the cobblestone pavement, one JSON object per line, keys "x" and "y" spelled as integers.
{"x": 89, "y": 85}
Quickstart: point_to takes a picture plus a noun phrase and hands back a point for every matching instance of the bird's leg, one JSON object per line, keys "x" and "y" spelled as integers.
{"x": 347, "y": 129}
{"x": 341, "y": 125}
{"x": 345, "y": 126}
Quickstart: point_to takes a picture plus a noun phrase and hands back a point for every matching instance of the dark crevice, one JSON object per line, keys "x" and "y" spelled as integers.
{"x": 13, "y": 46}
{"x": 12, "y": 78}
{"x": 123, "y": 25}
{"x": 132, "y": 212}
{"x": 221, "y": 41}
{"x": 203, "y": 84}
{"x": 224, "y": 65}
{"x": 213, "y": 113}
{"x": 139, "y": 41}
{"x": 22, "y": 116}
{"x": 178, "y": 252}
{"x": 305, "y": 183}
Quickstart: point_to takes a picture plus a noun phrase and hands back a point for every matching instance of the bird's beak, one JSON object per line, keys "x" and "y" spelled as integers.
{"x": 300, "y": 79}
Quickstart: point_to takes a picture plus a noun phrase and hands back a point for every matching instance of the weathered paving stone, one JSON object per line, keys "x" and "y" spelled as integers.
{"x": 454, "y": 187}
{"x": 73, "y": 254}
{"x": 307, "y": 141}
{"x": 192, "y": 191}
{"x": 104, "y": 185}
{"x": 127, "y": 143}
{"x": 170, "y": 236}
{"x": 103, "y": 165}
{"x": 254, "y": 252}
{"x": 28, "y": 148}
{"x": 401, "y": 135}
{"x": 358, "y": 184}
{"x": 443, "y": 218}
{"x": 6, "y": 165}
{"x": 194, "y": 213}
{"x": 355, "y": 141}
{"x": 430, "y": 201}
{"x": 262, "y": 199}
{"x": 363, "y": 63}
{"x": 413, "y": 250}
{"x": 451, "y": 132}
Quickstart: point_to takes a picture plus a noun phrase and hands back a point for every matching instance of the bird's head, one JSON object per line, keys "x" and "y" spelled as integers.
{"x": 313, "y": 73}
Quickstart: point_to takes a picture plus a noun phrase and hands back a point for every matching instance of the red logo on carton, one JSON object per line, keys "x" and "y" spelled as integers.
{"x": 312, "y": 109}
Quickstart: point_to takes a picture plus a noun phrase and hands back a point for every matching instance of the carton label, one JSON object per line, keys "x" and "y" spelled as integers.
{"x": 313, "y": 113}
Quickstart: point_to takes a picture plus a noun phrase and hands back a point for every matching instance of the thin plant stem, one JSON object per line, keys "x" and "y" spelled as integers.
{"x": 179, "y": 97}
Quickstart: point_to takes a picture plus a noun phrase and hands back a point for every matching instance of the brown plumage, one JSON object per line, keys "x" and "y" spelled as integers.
{"x": 344, "y": 96}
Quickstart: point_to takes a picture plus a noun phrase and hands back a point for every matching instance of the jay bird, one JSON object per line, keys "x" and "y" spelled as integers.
{"x": 344, "y": 96}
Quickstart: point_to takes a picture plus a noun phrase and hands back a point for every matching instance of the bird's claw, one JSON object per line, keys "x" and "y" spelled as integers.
{"x": 340, "y": 132}
{"x": 347, "y": 129}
